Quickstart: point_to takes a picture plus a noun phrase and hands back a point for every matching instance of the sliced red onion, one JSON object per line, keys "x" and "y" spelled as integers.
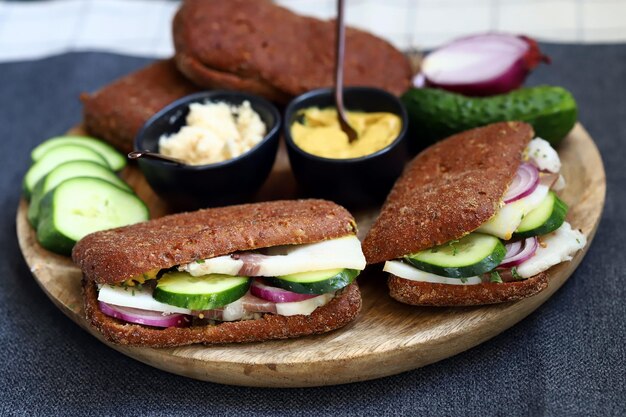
{"x": 525, "y": 181}
{"x": 518, "y": 252}
{"x": 276, "y": 295}
{"x": 146, "y": 317}
{"x": 482, "y": 65}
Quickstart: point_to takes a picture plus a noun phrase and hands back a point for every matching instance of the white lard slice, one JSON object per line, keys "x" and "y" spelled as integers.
{"x": 558, "y": 246}
{"x": 543, "y": 155}
{"x": 136, "y": 298}
{"x": 304, "y": 307}
{"x": 402, "y": 270}
{"x": 344, "y": 252}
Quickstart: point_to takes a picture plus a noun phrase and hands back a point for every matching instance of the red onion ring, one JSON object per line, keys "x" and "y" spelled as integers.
{"x": 518, "y": 252}
{"x": 525, "y": 182}
{"x": 146, "y": 317}
{"x": 276, "y": 295}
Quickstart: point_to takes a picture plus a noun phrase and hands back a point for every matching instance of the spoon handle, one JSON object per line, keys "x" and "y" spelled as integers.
{"x": 339, "y": 61}
{"x": 155, "y": 156}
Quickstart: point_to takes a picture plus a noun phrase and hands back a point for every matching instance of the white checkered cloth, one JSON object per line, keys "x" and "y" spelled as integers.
{"x": 143, "y": 27}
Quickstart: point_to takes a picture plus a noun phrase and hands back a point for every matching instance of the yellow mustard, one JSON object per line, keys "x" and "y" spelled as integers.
{"x": 318, "y": 132}
{"x": 141, "y": 278}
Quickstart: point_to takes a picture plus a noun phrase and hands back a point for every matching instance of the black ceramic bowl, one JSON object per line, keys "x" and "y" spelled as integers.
{"x": 192, "y": 186}
{"x": 352, "y": 182}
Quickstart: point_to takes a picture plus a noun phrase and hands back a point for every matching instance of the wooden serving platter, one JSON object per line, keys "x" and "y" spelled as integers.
{"x": 387, "y": 338}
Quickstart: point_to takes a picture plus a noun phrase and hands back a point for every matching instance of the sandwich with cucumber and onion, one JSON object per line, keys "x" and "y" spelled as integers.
{"x": 243, "y": 273}
{"x": 475, "y": 219}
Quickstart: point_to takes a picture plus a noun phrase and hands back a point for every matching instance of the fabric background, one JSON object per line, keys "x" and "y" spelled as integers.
{"x": 33, "y": 29}
{"x": 566, "y": 359}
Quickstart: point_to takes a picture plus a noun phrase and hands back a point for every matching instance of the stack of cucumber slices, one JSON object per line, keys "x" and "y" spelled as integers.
{"x": 73, "y": 190}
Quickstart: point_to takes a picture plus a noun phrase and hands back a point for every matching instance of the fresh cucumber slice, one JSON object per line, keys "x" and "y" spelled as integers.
{"x": 66, "y": 171}
{"x": 205, "y": 292}
{"x": 469, "y": 256}
{"x": 315, "y": 282}
{"x": 546, "y": 218}
{"x": 56, "y": 157}
{"x": 83, "y": 205}
{"x": 116, "y": 160}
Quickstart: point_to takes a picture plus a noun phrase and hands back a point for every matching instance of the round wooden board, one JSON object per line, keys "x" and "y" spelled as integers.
{"x": 387, "y": 338}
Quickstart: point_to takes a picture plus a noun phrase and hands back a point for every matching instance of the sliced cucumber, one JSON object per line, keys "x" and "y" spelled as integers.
{"x": 66, "y": 171}
{"x": 546, "y": 218}
{"x": 56, "y": 157}
{"x": 116, "y": 160}
{"x": 83, "y": 205}
{"x": 469, "y": 256}
{"x": 205, "y": 292}
{"x": 315, "y": 282}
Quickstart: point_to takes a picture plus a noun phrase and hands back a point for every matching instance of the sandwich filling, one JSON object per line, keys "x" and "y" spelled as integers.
{"x": 284, "y": 280}
{"x": 527, "y": 235}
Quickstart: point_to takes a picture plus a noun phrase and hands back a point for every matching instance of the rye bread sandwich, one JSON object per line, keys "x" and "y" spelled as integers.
{"x": 243, "y": 273}
{"x": 474, "y": 219}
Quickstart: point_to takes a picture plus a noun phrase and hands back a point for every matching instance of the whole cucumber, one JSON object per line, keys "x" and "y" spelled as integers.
{"x": 435, "y": 114}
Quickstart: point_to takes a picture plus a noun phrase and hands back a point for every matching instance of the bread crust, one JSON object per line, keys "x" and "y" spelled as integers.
{"x": 448, "y": 190}
{"x": 256, "y": 40}
{"x": 212, "y": 78}
{"x": 440, "y": 295}
{"x": 340, "y": 311}
{"x": 115, "y": 255}
{"x": 117, "y": 111}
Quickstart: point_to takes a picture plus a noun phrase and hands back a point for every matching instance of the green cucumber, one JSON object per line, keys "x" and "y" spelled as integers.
{"x": 82, "y": 205}
{"x": 55, "y": 157}
{"x": 205, "y": 292}
{"x": 546, "y": 218}
{"x": 116, "y": 160}
{"x": 315, "y": 282}
{"x": 66, "y": 171}
{"x": 472, "y": 255}
{"x": 436, "y": 114}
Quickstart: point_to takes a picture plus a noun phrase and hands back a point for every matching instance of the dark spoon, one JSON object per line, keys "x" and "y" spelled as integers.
{"x": 339, "y": 59}
{"x": 155, "y": 156}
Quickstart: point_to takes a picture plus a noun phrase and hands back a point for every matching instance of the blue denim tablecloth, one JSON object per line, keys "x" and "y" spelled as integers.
{"x": 566, "y": 359}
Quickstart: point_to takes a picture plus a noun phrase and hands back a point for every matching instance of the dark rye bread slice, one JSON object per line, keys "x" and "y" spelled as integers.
{"x": 281, "y": 54}
{"x": 117, "y": 111}
{"x": 340, "y": 311}
{"x": 115, "y": 255}
{"x": 448, "y": 190}
{"x": 440, "y": 295}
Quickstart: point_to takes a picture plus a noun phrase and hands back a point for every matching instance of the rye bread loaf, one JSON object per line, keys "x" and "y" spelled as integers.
{"x": 117, "y": 111}
{"x": 440, "y": 295}
{"x": 340, "y": 311}
{"x": 115, "y": 255}
{"x": 448, "y": 190}
{"x": 276, "y": 52}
